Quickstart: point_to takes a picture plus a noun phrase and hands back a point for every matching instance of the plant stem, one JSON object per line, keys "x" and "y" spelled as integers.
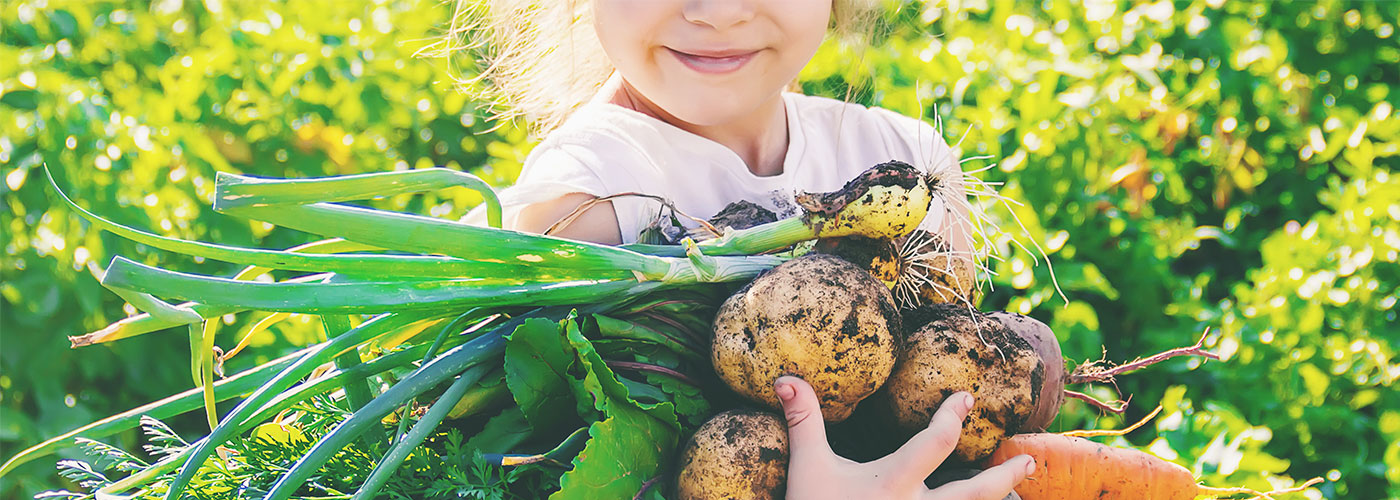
{"x": 425, "y": 426}
{"x": 1115, "y": 407}
{"x": 646, "y": 486}
{"x": 474, "y": 352}
{"x": 283, "y": 401}
{"x": 645, "y": 367}
{"x": 304, "y": 365}
{"x": 1091, "y": 372}
{"x": 761, "y": 238}
{"x": 357, "y": 392}
{"x": 165, "y": 408}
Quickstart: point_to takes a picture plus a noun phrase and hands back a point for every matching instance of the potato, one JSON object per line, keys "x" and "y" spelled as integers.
{"x": 817, "y": 317}
{"x": 951, "y": 280}
{"x": 957, "y": 349}
{"x": 736, "y": 454}
{"x": 885, "y": 201}
{"x": 1052, "y": 386}
{"x": 880, "y": 258}
{"x": 931, "y": 273}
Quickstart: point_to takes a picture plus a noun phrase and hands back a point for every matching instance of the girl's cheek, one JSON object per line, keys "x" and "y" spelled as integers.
{"x": 626, "y": 28}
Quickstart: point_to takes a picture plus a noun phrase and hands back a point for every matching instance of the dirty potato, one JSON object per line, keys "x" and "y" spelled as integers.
{"x": 817, "y": 317}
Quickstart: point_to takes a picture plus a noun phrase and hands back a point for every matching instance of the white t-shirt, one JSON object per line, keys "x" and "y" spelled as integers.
{"x": 605, "y": 149}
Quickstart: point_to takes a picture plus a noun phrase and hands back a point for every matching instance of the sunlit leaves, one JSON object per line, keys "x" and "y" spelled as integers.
{"x": 1221, "y": 163}
{"x": 143, "y": 102}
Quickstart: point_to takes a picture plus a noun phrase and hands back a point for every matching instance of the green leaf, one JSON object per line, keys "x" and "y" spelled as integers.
{"x": 600, "y": 386}
{"x": 238, "y": 191}
{"x": 623, "y": 452}
{"x": 358, "y": 264}
{"x": 612, "y": 328}
{"x": 468, "y": 361}
{"x": 538, "y": 362}
{"x": 689, "y": 401}
{"x": 629, "y": 440}
{"x": 356, "y": 391}
{"x": 631, "y": 443}
{"x": 407, "y": 442}
{"x": 416, "y": 233}
{"x": 174, "y": 405}
{"x": 502, "y": 432}
{"x": 21, "y": 99}
{"x": 307, "y": 361}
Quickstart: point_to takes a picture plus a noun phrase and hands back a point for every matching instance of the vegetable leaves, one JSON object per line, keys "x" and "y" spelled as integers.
{"x": 629, "y": 441}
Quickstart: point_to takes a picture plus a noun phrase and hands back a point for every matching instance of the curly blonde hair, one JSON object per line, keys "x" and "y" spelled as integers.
{"x": 540, "y": 59}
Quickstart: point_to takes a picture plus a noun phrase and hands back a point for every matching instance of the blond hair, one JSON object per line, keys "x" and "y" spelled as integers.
{"x": 540, "y": 59}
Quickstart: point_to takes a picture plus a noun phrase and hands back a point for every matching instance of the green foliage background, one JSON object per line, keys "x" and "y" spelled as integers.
{"x": 1185, "y": 164}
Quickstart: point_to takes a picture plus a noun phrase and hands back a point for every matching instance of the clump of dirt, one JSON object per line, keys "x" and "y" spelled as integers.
{"x": 742, "y": 214}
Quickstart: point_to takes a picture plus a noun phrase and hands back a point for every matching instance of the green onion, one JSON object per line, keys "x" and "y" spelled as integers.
{"x": 326, "y": 383}
{"x": 238, "y": 191}
{"x": 229, "y": 426}
{"x": 467, "y": 359}
{"x": 425, "y": 426}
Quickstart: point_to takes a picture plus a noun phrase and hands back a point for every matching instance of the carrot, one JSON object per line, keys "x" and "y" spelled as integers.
{"x": 1072, "y": 468}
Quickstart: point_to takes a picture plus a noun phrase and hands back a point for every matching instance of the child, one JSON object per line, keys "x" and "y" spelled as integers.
{"x": 684, "y": 99}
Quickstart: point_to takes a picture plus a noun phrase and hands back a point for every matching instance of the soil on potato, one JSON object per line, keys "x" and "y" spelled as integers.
{"x": 890, "y": 173}
{"x": 817, "y": 317}
{"x": 879, "y": 257}
{"x": 740, "y": 453}
{"x": 958, "y": 317}
{"x": 1042, "y": 339}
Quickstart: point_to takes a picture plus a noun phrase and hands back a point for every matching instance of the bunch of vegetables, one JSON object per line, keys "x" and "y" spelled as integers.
{"x": 583, "y": 365}
{"x": 831, "y": 318}
{"x": 474, "y": 317}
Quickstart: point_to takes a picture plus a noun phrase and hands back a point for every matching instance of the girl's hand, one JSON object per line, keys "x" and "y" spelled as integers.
{"x": 816, "y": 473}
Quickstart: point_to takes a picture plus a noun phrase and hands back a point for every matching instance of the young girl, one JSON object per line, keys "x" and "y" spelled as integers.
{"x": 684, "y": 99}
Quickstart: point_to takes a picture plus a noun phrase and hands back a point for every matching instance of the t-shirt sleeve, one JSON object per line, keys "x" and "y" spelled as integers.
{"x": 918, "y": 140}
{"x": 549, "y": 172}
{"x": 556, "y": 169}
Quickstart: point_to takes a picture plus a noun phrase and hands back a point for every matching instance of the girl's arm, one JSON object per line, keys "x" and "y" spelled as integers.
{"x": 598, "y": 224}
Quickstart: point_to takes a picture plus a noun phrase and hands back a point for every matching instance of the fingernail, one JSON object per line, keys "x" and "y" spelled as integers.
{"x": 967, "y": 401}
{"x": 1030, "y": 465}
{"x": 785, "y": 391}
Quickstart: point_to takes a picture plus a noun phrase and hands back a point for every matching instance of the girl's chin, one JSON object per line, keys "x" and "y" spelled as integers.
{"x": 713, "y": 108}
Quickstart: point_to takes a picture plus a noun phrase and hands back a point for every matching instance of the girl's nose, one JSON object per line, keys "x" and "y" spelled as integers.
{"x": 719, "y": 14}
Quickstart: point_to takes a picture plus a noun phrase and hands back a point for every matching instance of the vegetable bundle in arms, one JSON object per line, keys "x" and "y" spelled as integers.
{"x": 443, "y": 303}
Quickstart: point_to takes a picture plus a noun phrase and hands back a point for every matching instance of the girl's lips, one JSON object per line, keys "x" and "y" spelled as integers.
{"x": 713, "y": 63}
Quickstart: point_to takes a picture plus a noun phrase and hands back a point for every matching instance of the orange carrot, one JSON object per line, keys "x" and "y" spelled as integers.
{"x": 1072, "y": 468}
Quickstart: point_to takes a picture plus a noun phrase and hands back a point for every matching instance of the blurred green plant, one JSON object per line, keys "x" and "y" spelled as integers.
{"x": 142, "y": 104}
{"x": 1186, "y": 165}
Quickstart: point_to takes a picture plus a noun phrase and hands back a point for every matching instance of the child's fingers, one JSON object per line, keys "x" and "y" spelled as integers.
{"x": 992, "y": 484}
{"x": 806, "y": 429}
{"x": 931, "y": 446}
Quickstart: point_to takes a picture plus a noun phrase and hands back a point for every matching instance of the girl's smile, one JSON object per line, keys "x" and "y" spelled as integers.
{"x": 715, "y": 68}
{"x": 718, "y": 62}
